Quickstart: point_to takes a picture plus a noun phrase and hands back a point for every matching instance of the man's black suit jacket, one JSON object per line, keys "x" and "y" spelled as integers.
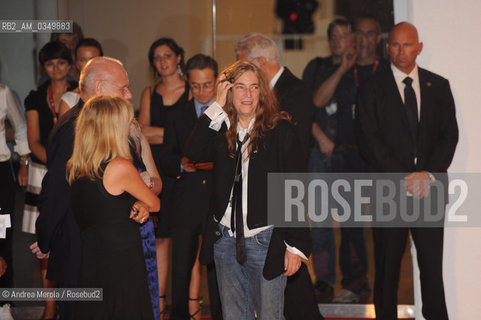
{"x": 295, "y": 97}
{"x": 57, "y": 230}
{"x": 386, "y": 142}
{"x": 191, "y": 199}
{"x": 276, "y": 151}
{"x": 178, "y": 128}
{"x": 384, "y": 137}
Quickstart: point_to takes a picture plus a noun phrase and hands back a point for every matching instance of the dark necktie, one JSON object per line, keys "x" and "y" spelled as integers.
{"x": 236, "y": 218}
{"x": 202, "y": 110}
{"x": 411, "y": 107}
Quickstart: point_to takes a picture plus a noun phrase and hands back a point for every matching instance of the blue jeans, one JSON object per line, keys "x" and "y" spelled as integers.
{"x": 243, "y": 288}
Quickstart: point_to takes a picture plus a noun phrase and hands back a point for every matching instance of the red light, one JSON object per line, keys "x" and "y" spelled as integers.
{"x": 293, "y": 16}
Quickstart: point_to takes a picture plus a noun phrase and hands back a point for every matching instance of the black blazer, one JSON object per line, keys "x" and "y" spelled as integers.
{"x": 384, "y": 137}
{"x": 295, "y": 97}
{"x": 57, "y": 229}
{"x": 177, "y": 129}
{"x": 192, "y": 192}
{"x": 276, "y": 151}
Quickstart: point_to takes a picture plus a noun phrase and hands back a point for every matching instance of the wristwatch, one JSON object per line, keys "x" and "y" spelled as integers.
{"x": 25, "y": 161}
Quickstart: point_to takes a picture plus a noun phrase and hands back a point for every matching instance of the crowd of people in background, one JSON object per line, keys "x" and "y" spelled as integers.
{"x": 115, "y": 200}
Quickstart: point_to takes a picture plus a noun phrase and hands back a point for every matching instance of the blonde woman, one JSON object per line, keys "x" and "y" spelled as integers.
{"x": 108, "y": 196}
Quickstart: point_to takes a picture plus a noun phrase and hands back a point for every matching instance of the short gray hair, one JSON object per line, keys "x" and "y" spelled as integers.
{"x": 96, "y": 69}
{"x": 242, "y": 44}
{"x": 258, "y": 45}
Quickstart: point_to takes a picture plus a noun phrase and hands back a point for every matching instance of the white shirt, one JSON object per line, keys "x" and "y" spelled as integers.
{"x": 9, "y": 109}
{"x": 276, "y": 77}
{"x": 216, "y": 112}
{"x": 226, "y": 219}
{"x": 218, "y": 116}
{"x": 399, "y": 76}
{"x": 70, "y": 98}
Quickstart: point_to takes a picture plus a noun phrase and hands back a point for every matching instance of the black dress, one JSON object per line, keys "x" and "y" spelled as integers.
{"x": 112, "y": 256}
{"x": 159, "y": 116}
{"x": 37, "y": 101}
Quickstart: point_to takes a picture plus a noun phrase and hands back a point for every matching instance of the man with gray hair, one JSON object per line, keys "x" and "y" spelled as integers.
{"x": 57, "y": 231}
{"x": 295, "y": 98}
{"x": 292, "y": 93}
{"x": 241, "y": 47}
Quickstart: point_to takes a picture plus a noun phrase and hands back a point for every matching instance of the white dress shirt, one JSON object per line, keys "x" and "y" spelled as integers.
{"x": 70, "y": 98}
{"x": 10, "y": 109}
{"x": 218, "y": 116}
{"x": 399, "y": 76}
{"x": 276, "y": 77}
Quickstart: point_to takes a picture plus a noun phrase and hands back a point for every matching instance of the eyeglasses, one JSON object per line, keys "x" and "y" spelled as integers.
{"x": 243, "y": 87}
{"x": 205, "y": 85}
{"x": 124, "y": 89}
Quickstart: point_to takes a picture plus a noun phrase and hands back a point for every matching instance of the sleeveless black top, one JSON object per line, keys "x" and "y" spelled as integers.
{"x": 159, "y": 112}
{"x": 112, "y": 256}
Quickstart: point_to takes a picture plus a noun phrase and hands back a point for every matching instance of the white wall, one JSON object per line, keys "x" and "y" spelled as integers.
{"x": 450, "y": 31}
{"x": 17, "y": 49}
{"x": 127, "y": 29}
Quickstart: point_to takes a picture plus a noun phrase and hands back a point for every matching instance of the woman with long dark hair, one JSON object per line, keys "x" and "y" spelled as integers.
{"x": 166, "y": 58}
{"x": 251, "y": 138}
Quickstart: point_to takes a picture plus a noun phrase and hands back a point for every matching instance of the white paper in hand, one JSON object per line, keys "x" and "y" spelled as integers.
{"x": 4, "y": 224}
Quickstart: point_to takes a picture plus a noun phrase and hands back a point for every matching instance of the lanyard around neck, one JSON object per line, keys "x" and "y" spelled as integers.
{"x": 356, "y": 73}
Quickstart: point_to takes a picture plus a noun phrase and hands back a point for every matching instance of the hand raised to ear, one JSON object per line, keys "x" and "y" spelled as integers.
{"x": 222, "y": 89}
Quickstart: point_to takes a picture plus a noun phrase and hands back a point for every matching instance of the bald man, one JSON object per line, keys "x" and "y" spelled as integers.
{"x": 407, "y": 124}
{"x": 57, "y": 230}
